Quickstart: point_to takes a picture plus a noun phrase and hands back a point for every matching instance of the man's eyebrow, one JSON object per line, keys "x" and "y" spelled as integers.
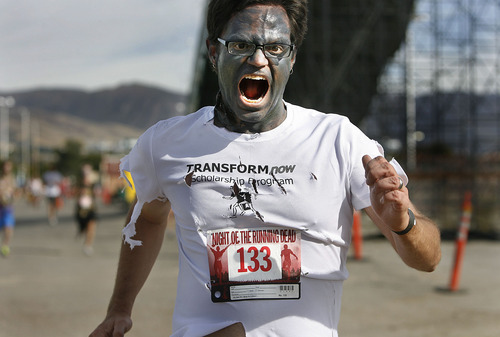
{"x": 239, "y": 38}
{"x": 247, "y": 40}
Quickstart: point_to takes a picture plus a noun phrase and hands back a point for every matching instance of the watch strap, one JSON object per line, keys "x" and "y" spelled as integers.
{"x": 412, "y": 222}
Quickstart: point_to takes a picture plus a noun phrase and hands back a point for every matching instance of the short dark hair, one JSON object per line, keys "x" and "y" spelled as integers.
{"x": 221, "y": 11}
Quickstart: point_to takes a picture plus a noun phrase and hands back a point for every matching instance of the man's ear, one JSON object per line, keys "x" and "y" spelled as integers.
{"x": 212, "y": 53}
{"x": 292, "y": 60}
{"x": 293, "y": 56}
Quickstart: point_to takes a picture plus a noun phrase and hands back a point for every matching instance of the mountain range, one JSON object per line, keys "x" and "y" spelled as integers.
{"x": 90, "y": 117}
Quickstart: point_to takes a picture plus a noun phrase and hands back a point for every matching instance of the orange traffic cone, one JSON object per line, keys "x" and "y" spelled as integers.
{"x": 357, "y": 236}
{"x": 461, "y": 241}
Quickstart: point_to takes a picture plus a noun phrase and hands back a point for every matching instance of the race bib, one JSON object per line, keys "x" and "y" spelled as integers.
{"x": 252, "y": 264}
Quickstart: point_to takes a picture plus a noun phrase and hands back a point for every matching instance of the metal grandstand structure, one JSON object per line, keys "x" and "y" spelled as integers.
{"x": 446, "y": 80}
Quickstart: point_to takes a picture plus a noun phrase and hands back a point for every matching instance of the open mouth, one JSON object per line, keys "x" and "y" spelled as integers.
{"x": 253, "y": 88}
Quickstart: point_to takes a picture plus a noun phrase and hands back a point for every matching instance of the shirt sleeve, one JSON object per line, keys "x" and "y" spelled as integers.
{"x": 139, "y": 164}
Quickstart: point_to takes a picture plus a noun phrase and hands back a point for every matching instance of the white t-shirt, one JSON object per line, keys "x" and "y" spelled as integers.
{"x": 306, "y": 176}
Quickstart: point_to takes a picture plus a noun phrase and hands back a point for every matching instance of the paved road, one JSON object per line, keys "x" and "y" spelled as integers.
{"x": 49, "y": 288}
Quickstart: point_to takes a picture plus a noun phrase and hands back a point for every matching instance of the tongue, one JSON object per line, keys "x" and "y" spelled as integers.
{"x": 252, "y": 92}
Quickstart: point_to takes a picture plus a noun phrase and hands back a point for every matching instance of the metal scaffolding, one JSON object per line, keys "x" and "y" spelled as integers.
{"x": 446, "y": 80}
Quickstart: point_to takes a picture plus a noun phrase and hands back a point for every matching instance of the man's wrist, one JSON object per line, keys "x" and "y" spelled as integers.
{"x": 411, "y": 223}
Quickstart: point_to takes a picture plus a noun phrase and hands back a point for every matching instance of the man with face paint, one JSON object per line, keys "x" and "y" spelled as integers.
{"x": 252, "y": 176}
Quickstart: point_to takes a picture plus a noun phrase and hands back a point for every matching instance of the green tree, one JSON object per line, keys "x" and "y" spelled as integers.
{"x": 71, "y": 158}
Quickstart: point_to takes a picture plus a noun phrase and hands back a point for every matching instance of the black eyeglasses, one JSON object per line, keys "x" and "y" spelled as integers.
{"x": 272, "y": 50}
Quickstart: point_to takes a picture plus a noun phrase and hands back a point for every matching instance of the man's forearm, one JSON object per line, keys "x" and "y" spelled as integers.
{"x": 420, "y": 248}
{"x": 135, "y": 265}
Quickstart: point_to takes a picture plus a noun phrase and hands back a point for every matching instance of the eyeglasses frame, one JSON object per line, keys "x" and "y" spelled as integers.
{"x": 257, "y": 46}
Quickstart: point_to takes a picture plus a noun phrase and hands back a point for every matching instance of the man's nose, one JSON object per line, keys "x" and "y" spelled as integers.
{"x": 258, "y": 58}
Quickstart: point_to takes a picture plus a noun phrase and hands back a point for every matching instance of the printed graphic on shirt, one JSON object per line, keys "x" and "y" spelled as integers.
{"x": 244, "y": 183}
{"x": 250, "y": 264}
{"x": 242, "y": 202}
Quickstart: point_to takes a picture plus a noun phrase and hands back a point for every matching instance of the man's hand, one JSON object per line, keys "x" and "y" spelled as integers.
{"x": 388, "y": 195}
{"x": 420, "y": 247}
{"x": 113, "y": 326}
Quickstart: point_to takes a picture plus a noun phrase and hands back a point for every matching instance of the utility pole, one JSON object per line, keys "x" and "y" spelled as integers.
{"x": 411, "y": 122}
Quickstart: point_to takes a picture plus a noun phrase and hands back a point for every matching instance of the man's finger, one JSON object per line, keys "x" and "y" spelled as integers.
{"x": 366, "y": 159}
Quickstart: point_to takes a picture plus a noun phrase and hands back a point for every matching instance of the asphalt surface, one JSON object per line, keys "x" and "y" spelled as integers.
{"x": 49, "y": 288}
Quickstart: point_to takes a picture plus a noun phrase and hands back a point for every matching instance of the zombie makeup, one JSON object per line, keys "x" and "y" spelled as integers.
{"x": 252, "y": 86}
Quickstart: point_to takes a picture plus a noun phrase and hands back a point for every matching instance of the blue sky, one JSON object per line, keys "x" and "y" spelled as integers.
{"x": 95, "y": 44}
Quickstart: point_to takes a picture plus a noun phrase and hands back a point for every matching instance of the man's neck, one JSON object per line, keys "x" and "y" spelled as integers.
{"x": 225, "y": 118}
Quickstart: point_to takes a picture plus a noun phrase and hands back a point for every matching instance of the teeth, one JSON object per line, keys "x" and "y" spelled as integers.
{"x": 255, "y": 77}
{"x": 252, "y": 100}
